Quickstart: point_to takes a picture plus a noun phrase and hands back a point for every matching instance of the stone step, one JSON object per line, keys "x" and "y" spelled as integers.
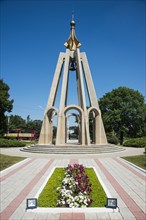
{"x": 49, "y": 149}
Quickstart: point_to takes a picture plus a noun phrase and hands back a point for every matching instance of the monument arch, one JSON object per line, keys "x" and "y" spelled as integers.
{"x": 93, "y": 116}
{"x": 80, "y": 121}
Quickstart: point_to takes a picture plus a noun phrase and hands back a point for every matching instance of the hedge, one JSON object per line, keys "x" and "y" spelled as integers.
{"x": 135, "y": 142}
{"x": 11, "y": 143}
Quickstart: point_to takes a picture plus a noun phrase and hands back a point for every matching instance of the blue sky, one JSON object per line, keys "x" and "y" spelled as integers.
{"x": 112, "y": 34}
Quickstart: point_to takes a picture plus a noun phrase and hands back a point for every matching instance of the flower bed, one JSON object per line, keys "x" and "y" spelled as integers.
{"x": 74, "y": 186}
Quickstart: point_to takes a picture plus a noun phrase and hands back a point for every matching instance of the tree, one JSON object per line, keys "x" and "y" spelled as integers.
{"x": 32, "y": 126}
{"x": 6, "y": 105}
{"x": 28, "y": 119}
{"x": 16, "y": 122}
{"x": 123, "y": 112}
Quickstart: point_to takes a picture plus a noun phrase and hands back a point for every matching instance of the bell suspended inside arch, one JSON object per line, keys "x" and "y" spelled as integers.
{"x": 72, "y": 66}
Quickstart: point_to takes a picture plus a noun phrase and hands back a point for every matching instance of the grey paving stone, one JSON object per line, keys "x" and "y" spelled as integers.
{"x": 115, "y": 216}
{"x": 29, "y": 216}
{"x": 103, "y": 216}
{"x": 91, "y": 216}
{"x": 41, "y": 216}
{"x": 53, "y": 216}
{"x": 126, "y": 214}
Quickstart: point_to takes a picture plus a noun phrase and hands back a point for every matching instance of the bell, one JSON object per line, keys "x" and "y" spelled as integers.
{"x": 72, "y": 66}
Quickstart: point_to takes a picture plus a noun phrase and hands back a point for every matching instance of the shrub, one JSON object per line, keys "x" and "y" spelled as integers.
{"x": 11, "y": 143}
{"x": 112, "y": 139}
{"x": 135, "y": 142}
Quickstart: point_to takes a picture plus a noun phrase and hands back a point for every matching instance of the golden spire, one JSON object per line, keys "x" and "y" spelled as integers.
{"x": 72, "y": 43}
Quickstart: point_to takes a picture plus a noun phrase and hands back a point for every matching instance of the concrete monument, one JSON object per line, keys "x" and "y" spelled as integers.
{"x": 88, "y": 117}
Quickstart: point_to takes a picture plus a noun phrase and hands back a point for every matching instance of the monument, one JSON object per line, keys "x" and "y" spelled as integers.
{"x": 90, "y": 128}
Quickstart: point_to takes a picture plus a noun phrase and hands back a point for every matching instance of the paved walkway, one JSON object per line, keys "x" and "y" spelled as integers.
{"x": 122, "y": 180}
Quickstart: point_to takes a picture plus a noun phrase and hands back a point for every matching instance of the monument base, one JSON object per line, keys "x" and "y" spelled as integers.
{"x": 73, "y": 149}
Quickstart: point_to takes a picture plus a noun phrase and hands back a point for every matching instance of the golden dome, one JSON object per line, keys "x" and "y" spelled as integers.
{"x": 72, "y": 43}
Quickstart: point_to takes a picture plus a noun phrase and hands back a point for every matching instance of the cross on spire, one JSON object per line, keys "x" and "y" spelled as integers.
{"x": 72, "y": 15}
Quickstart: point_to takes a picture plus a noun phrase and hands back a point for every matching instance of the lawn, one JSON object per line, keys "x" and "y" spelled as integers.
{"x": 98, "y": 195}
{"x": 139, "y": 160}
{"x": 6, "y": 161}
{"x": 49, "y": 195}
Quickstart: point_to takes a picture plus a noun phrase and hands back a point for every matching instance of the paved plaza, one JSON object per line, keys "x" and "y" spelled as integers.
{"x": 123, "y": 181}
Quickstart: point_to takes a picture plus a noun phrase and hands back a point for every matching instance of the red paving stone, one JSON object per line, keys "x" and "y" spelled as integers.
{"x": 16, "y": 170}
{"x": 65, "y": 216}
{"x": 133, "y": 207}
{"x": 10, "y": 209}
{"x": 78, "y": 216}
{"x": 131, "y": 169}
{"x": 72, "y": 216}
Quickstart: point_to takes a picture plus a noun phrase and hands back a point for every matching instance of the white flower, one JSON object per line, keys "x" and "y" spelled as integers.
{"x": 69, "y": 186}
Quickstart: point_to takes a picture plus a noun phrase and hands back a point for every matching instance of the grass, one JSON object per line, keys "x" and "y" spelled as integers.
{"x": 49, "y": 196}
{"x": 6, "y": 161}
{"x": 139, "y": 160}
{"x": 98, "y": 195}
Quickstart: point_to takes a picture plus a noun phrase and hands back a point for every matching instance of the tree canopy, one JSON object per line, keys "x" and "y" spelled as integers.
{"x": 6, "y": 105}
{"x": 16, "y": 122}
{"x": 124, "y": 112}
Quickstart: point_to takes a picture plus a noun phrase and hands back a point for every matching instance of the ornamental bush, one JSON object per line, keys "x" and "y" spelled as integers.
{"x": 112, "y": 139}
{"x": 135, "y": 142}
{"x": 11, "y": 143}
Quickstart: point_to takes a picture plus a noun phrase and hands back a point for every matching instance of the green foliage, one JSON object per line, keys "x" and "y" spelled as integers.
{"x": 49, "y": 195}
{"x": 11, "y": 143}
{"x": 135, "y": 142}
{"x": 26, "y": 126}
{"x": 33, "y": 126}
{"x": 124, "y": 112}
{"x": 139, "y": 160}
{"x": 6, "y": 105}
{"x": 112, "y": 139}
{"x": 98, "y": 195}
{"x": 16, "y": 122}
{"x": 6, "y": 161}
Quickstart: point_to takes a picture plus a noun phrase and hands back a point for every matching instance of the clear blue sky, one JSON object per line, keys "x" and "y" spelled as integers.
{"x": 112, "y": 34}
